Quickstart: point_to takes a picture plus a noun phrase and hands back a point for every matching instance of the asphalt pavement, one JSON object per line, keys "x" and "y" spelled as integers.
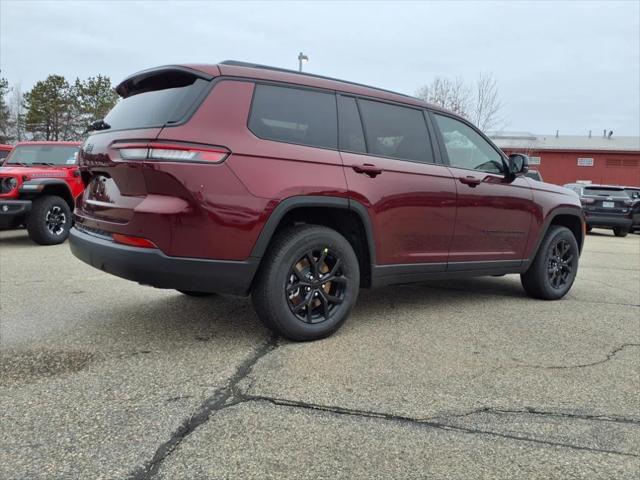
{"x": 103, "y": 378}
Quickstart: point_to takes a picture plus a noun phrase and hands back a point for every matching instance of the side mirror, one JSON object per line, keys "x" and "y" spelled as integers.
{"x": 518, "y": 164}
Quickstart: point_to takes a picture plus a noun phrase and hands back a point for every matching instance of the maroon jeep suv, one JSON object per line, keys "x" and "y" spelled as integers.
{"x": 301, "y": 189}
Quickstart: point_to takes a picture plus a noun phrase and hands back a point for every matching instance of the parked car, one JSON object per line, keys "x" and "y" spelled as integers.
{"x": 634, "y": 193}
{"x": 534, "y": 174}
{"x": 4, "y": 152}
{"x": 605, "y": 206}
{"x": 39, "y": 184}
{"x": 300, "y": 189}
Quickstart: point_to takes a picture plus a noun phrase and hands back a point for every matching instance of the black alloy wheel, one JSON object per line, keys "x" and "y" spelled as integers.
{"x": 307, "y": 283}
{"x": 560, "y": 263}
{"x": 315, "y": 285}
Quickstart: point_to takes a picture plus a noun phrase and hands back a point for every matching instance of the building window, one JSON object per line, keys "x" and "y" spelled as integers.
{"x": 534, "y": 160}
{"x": 585, "y": 162}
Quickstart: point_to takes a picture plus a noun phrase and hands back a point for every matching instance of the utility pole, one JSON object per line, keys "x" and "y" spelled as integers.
{"x": 302, "y": 58}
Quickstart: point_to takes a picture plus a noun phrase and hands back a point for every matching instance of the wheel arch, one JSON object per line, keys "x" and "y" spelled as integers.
{"x": 571, "y": 218}
{"x": 348, "y": 217}
{"x": 48, "y": 186}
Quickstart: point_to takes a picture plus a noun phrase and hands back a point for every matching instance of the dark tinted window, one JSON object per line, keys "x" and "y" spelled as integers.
{"x": 466, "y": 148}
{"x": 605, "y": 192}
{"x": 44, "y": 154}
{"x": 394, "y": 131}
{"x": 294, "y": 115}
{"x": 4, "y": 154}
{"x": 156, "y": 105}
{"x": 351, "y": 134}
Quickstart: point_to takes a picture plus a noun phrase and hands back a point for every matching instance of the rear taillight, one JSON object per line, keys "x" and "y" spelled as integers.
{"x": 133, "y": 241}
{"x": 587, "y": 201}
{"x": 165, "y": 152}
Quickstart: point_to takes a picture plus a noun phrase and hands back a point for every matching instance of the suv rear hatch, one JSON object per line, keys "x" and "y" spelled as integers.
{"x": 117, "y": 160}
{"x": 606, "y": 200}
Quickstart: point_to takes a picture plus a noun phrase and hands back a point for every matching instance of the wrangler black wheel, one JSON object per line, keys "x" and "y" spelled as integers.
{"x": 49, "y": 220}
{"x": 307, "y": 283}
{"x": 555, "y": 266}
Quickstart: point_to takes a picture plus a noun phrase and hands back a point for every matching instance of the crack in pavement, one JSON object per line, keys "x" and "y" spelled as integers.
{"x": 545, "y": 413}
{"x": 215, "y": 402}
{"x": 230, "y": 395}
{"x": 429, "y": 423}
{"x": 609, "y": 356}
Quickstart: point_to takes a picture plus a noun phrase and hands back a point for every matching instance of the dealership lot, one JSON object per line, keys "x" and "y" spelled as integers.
{"x": 102, "y": 378}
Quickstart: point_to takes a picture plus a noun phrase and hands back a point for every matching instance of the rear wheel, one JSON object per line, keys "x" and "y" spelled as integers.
{"x": 307, "y": 284}
{"x": 555, "y": 266}
{"x": 49, "y": 220}
{"x": 589, "y": 228}
{"x": 620, "y": 232}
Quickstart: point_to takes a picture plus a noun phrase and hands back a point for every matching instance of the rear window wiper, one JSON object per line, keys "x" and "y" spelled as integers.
{"x": 98, "y": 125}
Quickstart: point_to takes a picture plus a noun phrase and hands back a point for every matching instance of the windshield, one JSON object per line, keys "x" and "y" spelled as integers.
{"x": 605, "y": 192}
{"x": 43, "y": 155}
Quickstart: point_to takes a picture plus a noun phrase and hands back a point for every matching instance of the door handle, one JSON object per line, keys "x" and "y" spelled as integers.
{"x": 367, "y": 169}
{"x": 471, "y": 181}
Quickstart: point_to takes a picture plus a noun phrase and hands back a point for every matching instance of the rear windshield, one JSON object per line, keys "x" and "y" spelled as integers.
{"x": 157, "y": 103}
{"x": 605, "y": 192}
{"x": 43, "y": 155}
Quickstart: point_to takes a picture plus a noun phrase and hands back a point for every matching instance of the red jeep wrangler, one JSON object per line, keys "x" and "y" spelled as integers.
{"x": 39, "y": 183}
{"x": 300, "y": 189}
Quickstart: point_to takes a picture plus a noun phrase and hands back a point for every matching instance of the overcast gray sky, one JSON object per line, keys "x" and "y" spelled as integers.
{"x": 571, "y": 66}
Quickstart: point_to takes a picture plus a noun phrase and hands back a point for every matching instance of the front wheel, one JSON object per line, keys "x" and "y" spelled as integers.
{"x": 307, "y": 283}
{"x": 49, "y": 221}
{"x": 620, "y": 232}
{"x": 555, "y": 266}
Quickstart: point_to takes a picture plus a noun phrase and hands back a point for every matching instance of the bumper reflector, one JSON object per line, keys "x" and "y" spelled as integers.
{"x": 133, "y": 241}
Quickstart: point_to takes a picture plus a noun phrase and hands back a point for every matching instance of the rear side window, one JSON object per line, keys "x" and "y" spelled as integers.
{"x": 394, "y": 131}
{"x": 294, "y": 115}
{"x": 4, "y": 154}
{"x": 351, "y": 134}
{"x": 157, "y": 101}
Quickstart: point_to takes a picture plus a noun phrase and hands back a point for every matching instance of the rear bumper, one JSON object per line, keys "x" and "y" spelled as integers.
{"x": 150, "y": 266}
{"x": 12, "y": 211}
{"x": 607, "y": 221}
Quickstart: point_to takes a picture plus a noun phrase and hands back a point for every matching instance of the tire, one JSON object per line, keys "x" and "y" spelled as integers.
{"x": 620, "y": 232}
{"x": 589, "y": 228}
{"x": 547, "y": 278}
{"x": 49, "y": 221}
{"x": 289, "y": 295}
{"x": 191, "y": 293}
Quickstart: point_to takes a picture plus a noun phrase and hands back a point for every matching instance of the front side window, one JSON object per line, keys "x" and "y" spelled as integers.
{"x": 466, "y": 148}
{"x": 294, "y": 115}
{"x": 394, "y": 131}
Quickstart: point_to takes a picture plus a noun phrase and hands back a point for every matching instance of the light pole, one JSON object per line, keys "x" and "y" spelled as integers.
{"x": 301, "y": 58}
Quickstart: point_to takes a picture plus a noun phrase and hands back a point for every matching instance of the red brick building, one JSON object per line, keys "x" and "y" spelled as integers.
{"x": 603, "y": 159}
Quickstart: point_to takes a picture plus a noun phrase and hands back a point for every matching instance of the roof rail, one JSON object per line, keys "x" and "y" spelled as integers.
{"x": 236, "y": 63}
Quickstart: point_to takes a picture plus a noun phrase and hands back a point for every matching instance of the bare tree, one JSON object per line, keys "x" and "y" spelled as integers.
{"x": 451, "y": 94}
{"x": 17, "y": 113}
{"x": 482, "y": 107}
{"x": 486, "y": 104}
